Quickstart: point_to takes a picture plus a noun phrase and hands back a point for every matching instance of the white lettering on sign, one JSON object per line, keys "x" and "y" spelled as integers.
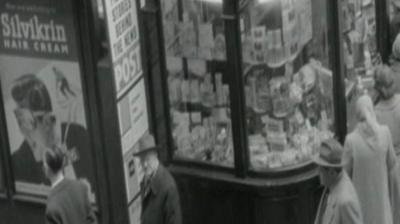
{"x": 124, "y": 41}
{"x": 127, "y": 71}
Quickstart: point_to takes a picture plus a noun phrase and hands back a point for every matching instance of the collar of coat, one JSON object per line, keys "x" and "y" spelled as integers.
{"x": 60, "y": 186}
{"x": 155, "y": 182}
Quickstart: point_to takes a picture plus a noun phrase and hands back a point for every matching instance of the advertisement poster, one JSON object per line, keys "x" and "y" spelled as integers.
{"x": 42, "y": 91}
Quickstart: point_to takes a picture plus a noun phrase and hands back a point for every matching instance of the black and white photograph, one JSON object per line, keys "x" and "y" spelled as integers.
{"x": 200, "y": 111}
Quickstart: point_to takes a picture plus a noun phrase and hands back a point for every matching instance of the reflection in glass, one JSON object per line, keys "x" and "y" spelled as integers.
{"x": 288, "y": 84}
{"x": 195, "y": 50}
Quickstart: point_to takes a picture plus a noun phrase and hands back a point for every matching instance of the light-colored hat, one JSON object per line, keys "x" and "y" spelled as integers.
{"x": 146, "y": 144}
{"x": 396, "y": 47}
{"x": 384, "y": 78}
{"x": 330, "y": 154}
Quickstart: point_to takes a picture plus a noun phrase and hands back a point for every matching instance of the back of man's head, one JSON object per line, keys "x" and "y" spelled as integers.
{"x": 54, "y": 159}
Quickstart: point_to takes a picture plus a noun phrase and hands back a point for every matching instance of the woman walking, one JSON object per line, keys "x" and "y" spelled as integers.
{"x": 371, "y": 163}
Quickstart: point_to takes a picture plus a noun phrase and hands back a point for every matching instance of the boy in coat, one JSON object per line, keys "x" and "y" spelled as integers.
{"x": 160, "y": 198}
{"x": 68, "y": 201}
{"x": 339, "y": 202}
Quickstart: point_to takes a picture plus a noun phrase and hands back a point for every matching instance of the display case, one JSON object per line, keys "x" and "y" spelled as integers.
{"x": 249, "y": 90}
{"x": 360, "y": 51}
{"x": 288, "y": 81}
{"x": 198, "y": 86}
{"x": 264, "y": 103}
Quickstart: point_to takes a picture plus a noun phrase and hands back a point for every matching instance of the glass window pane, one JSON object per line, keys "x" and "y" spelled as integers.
{"x": 288, "y": 81}
{"x": 360, "y": 51}
{"x": 198, "y": 87}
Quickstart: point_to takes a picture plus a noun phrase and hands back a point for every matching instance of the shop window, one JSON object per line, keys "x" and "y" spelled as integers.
{"x": 288, "y": 81}
{"x": 360, "y": 52}
{"x": 195, "y": 51}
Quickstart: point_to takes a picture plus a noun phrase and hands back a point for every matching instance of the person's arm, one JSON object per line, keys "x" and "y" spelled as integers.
{"x": 350, "y": 213}
{"x": 91, "y": 215}
{"x": 173, "y": 208}
{"x": 391, "y": 158}
{"x": 393, "y": 177}
{"x": 52, "y": 217}
{"x": 348, "y": 157}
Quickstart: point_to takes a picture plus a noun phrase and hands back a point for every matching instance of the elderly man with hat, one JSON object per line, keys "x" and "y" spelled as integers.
{"x": 160, "y": 198}
{"x": 339, "y": 202}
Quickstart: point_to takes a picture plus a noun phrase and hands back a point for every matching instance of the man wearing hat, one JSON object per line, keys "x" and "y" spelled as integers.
{"x": 339, "y": 202}
{"x": 160, "y": 198}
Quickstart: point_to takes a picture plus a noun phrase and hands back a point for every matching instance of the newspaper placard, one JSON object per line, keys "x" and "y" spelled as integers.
{"x": 123, "y": 35}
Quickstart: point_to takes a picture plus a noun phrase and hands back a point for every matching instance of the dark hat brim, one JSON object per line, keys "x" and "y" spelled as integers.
{"x": 321, "y": 162}
{"x": 146, "y": 150}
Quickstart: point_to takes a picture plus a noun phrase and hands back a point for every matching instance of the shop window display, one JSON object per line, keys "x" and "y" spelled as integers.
{"x": 195, "y": 52}
{"x": 288, "y": 81}
{"x": 360, "y": 51}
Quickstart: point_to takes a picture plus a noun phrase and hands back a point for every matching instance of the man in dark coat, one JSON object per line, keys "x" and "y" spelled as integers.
{"x": 339, "y": 202}
{"x": 68, "y": 202}
{"x": 160, "y": 198}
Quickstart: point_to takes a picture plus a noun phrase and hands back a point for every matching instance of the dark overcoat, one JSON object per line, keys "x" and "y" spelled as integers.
{"x": 160, "y": 200}
{"x": 68, "y": 203}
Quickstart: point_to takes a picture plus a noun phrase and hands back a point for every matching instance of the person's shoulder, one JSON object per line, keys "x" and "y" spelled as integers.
{"x": 350, "y": 137}
{"x": 384, "y": 129}
{"x": 397, "y": 100}
{"x": 74, "y": 184}
{"x": 347, "y": 194}
{"x": 21, "y": 152}
{"x": 166, "y": 177}
{"x": 73, "y": 127}
{"x": 53, "y": 207}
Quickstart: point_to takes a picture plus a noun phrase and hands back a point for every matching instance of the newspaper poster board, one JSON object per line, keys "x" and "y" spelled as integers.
{"x": 125, "y": 50}
{"x": 42, "y": 91}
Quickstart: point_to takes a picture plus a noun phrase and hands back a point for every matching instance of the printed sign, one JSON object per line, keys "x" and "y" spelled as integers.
{"x": 123, "y": 35}
{"x": 133, "y": 118}
{"x": 133, "y": 174}
{"x": 42, "y": 90}
{"x": 124, "y": 42}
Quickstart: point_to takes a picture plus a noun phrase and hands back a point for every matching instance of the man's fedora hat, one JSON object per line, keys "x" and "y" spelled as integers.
{"x": 145, "y": 145}
{"x": 330, "y": 154}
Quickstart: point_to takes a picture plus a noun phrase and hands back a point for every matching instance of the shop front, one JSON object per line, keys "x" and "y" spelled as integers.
{"x": 249, "y": 90}
{"x": 239, "y": 95}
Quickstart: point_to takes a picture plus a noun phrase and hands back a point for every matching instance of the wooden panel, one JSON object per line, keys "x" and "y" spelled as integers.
{"x": 205, "y": 201}
{"x": 21, "y": 212}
